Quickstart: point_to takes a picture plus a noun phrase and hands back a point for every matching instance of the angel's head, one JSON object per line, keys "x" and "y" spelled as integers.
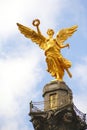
{"x": 50, "y": 32}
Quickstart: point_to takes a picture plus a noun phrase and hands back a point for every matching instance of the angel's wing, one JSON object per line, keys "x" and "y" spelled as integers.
{"x": 33, "y": 35}
{"x": 63, "y": 34}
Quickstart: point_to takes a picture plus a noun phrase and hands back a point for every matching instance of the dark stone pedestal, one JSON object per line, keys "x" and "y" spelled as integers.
{"x": 56, "y": 95}
{"x": 59, "y": 112}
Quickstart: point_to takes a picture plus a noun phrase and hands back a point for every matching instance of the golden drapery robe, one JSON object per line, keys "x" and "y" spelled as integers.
{"x": 55, "y": 61}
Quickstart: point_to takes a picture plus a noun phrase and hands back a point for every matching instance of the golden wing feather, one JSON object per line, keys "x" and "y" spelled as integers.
{"x": 64, "y": 34}
{"x": 33, "y": 35}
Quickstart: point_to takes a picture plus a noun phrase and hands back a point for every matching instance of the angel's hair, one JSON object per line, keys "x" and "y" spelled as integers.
{"x": 50, "y": 32}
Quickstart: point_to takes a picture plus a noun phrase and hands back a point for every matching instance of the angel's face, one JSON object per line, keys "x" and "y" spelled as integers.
{"x": 50, "y": 32}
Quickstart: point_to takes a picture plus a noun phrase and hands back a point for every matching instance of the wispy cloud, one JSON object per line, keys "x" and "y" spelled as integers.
{"x": 80, "y": 84}
{"x": 26, "y": 11}
{"x": 18, "y": 80}
{"x": 79, "y": 73}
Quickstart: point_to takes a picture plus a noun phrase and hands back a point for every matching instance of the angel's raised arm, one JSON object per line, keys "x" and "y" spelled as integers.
{"x": 36, "y": 23}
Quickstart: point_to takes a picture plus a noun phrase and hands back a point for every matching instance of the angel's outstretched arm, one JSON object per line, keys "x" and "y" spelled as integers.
{"x": 63, "y": 46}
{"x": 64, "y": 34}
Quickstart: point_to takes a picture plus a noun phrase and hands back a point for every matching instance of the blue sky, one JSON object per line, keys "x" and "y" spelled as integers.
{"x": 22, "y": 63}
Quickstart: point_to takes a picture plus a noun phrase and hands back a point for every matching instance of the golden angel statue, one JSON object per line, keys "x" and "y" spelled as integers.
{"x": 56, "y": 63}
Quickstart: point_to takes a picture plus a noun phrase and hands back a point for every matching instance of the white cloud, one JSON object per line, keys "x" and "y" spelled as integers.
{"x": 25, "y": 11}
{"x": 79, "y": 73}
{"x": 18, "y": 80}
{"x": 16, "y": 76}
{"x": 9, "y": 126}
{"x": 48, "y": 11}
{"x": 80, "y": 102}
{"x": 80, "y": 84}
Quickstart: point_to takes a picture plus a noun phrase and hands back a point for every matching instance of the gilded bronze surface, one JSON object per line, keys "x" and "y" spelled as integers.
{"x": 56, "y": 63}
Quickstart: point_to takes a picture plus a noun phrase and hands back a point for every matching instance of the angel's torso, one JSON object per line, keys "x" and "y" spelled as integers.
{"x": 51, "y": 43}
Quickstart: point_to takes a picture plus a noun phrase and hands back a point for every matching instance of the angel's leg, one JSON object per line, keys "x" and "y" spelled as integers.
{"x": 59, "y": 76}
